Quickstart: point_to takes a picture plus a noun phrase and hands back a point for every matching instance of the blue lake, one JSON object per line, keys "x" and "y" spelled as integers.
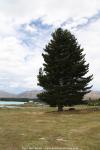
{"x": 10, "y": 103}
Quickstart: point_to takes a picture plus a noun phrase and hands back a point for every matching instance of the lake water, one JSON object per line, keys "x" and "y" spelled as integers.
{"x": 10, "y": 103}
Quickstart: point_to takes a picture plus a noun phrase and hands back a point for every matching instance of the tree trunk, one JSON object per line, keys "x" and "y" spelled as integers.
{"x": 60, "y": 108}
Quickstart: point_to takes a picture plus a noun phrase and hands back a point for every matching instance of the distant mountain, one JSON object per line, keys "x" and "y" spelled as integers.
{"x": 4, "y": 94}
{"x": 33, "y": 94}
{"x": 29, "y": 94}
{"x": 93, "y": 95}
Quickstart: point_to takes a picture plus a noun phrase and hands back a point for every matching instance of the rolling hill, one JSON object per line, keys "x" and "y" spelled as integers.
{"x": 33, "y": 94}
{"x": 29, "y": 94}
{"x": 4, "y": 94}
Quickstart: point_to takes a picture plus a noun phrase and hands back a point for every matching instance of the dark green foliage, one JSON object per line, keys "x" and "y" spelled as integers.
{"x": 15, "y": 99}
{"x": 63, "y": 75}
{"x": 93, "y": 102}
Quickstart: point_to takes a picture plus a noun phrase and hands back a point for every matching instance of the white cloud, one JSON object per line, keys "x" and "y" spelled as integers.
{"x": 52, "y": 10}
{"x": 13, "y": 65}
{"x": 19, "y": 63}
{"x": 30, "y": 28}
{"x": 89, "y": 39}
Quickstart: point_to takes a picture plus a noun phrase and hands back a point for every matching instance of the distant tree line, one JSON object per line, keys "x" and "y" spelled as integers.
{"x": 16, "y": 99}
{"x": 93, "y": 102}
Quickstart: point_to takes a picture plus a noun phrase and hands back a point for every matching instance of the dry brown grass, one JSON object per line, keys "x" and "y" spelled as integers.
{"x": 43, "y": 127}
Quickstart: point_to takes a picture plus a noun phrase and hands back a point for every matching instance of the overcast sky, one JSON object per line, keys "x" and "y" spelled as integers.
{"x": 25, "y": 28}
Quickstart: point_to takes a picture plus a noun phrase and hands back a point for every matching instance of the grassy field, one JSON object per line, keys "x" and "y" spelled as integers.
{"x": 29, "y": 127}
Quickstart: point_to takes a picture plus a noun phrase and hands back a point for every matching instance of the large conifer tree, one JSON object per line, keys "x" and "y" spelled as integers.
{"x": 63, "y": 75}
